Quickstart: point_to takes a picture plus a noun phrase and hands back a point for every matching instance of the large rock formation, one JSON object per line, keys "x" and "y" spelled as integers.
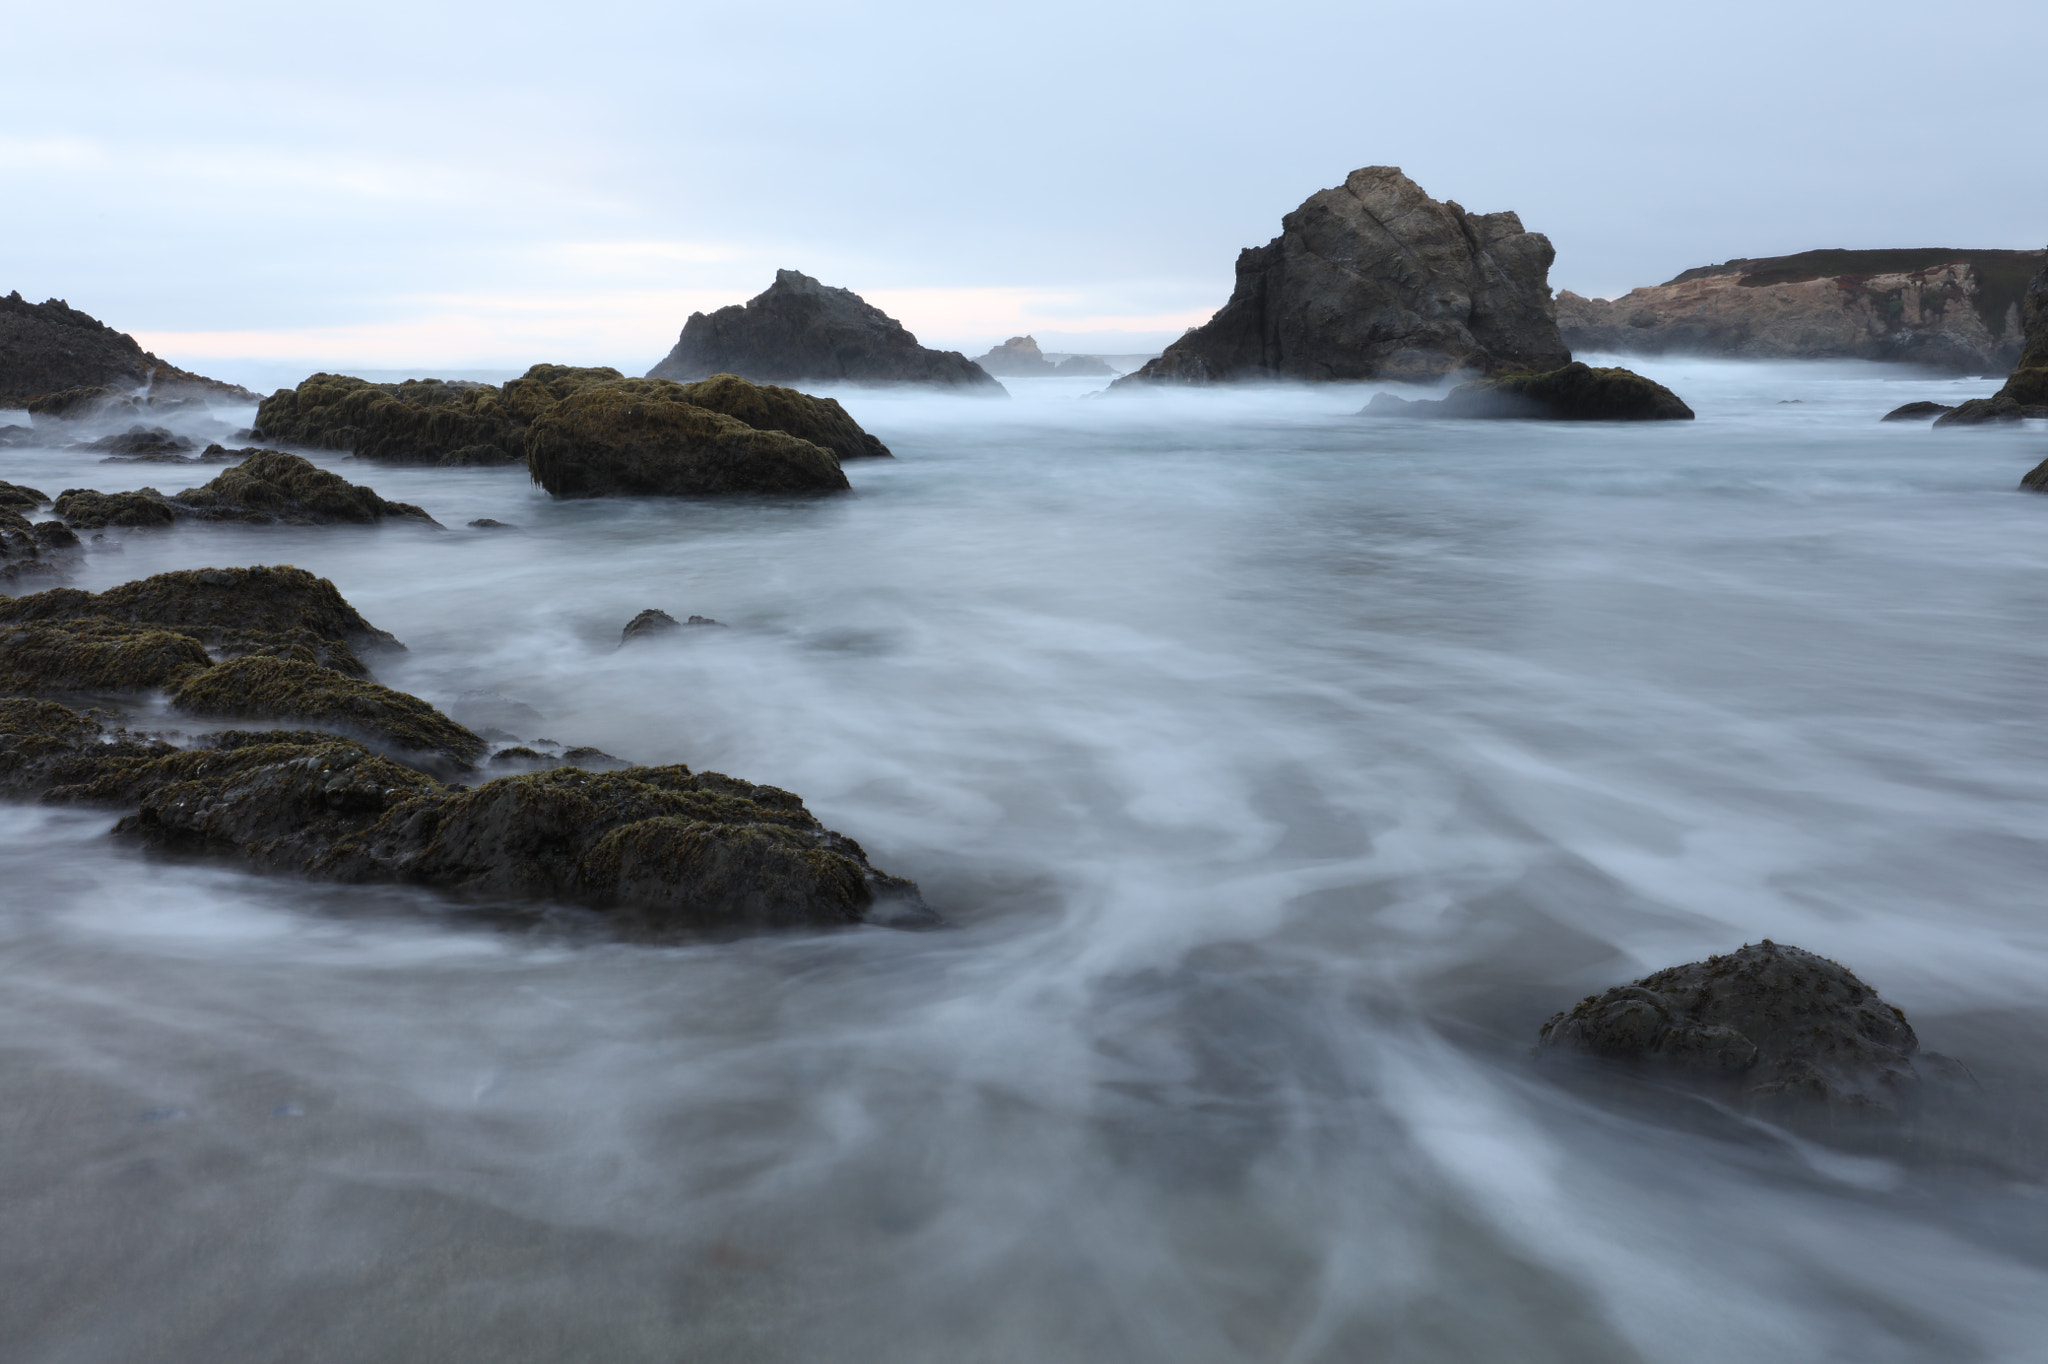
{"x": 1376, "y": 280}
{"x": 265, "y": 486}
{"x": 1955, "y": 310}
{"x": 640, "y": 438}
{"x": 798, "y": 329}
{"x": 1020, "y": 358}
{"x": 360, "y": 794}
{"x": 49, "y": 347}
{"x": 1768, "y": 1025}
{"x": 2025, "y": 392}
{"x": 1576, "y": 393}
{"x": 717, "y": 435}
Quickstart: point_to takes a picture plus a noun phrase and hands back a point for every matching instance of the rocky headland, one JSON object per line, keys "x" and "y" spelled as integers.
{"x": 585, "y": 431}
{"x": 1376, "y": 280}
{"x": 1954, "y": 310}
{"x": 371, "y": 784}
{"x": 798, "y": 330}
{"x": 55, "y": 356}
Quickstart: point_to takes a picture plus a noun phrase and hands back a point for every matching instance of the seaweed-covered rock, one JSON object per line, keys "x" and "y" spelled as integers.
{"x": 1577, "y": 392}
{"x": 16, "y": 498}
{"x": 798, "y": 329}
{"x": 1916, "y": 412}
{"x": 88, "y": 509}
{"x": 278, "y": 611}
{"x": 542, "y": 386}
{"x": 1373, "y": 279}
{"x": 637, "y": 438}
{"x": 419, "y": 421}
{"x": 767, "y": 407}
{"x": 94, "y": 654}
{"x": 269, "y": 485}
{"x": 258, "y": 687}
{"x": 1774, "y": 1025}
{"x": 29, "y": 550}
{"x": 665, "y": 851}
{"x": 49, "y": 347}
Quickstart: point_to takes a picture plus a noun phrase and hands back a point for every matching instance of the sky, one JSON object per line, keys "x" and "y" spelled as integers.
{"x": 253, "y": 189}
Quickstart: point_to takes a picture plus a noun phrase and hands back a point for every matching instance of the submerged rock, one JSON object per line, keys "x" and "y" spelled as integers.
{"x": 270, "y": 688}
{"x": 662, "y": 850}
{"x": 639, "y": 438}
{"x": 141, "y": 440}
{"x": 1913, "y": 412}
{"x": 798, "y": 329}
{"x": 51, "y": 347}
{"x": 16, "y": 498}
{"x": 33, "y": 549}
{"x": 1376, "y": 280}
{"x": 1772, "y": 1026}
{"x": 1577, "y": 392}
{"x": 652, "y": 622}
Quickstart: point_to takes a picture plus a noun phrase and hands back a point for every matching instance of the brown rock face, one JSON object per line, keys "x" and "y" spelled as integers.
{"x": 1376, "y": 280}
{"x": 48, "y": 347}
{"x": 1954, "y": 310}
{"x": 1775, "y": 1024}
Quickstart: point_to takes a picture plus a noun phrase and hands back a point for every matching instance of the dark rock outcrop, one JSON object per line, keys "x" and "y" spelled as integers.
{"x": 1917, "y": 412}
{"x": 1955, "y": 310}
{"x": 2025, "y": 392}
{"x": 50, "y": 347}
{"x": 259, "y": 687}
{"x": 1576, "y": 392}
{"x": 640, "y": 438}
{"x": 800, "y": 330}
{"x": 1082, "y": 367}
{"x": 1376, "y": 280}
{"x": 265, "y": 486}
{"x": 32, "y": 549}
{"x": 1767, "y": 1026}
{"x": 141, "y": 440}
{"x": 664, "y": 851}
{"x": 1017, "y": 358}
{"x": 653, "y": 622}
{"x": 16, "y": 498}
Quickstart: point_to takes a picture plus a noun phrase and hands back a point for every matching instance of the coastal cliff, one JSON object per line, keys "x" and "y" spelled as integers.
{"x": 1954, "y": 310}
{"x": 1373, "y": 279}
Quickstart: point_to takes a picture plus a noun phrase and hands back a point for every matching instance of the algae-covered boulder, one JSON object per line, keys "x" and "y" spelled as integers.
{"x": 542, "y": 386}
{"x": 33, "y": 549}
{"x": 1577, "y": 392}
{"x": 259, "y": 687}
{"x": 419, "y": 421}
{"x": 662, "y": 850}
{"x": 637, "y": 438}
{"x": 269, "y": 485}
{"x": 94, "y": 654}
{"x": 277, "y": 611}
{"x": 140, "y": 440}
{"x": 1770, "y": 1025}
{"x": 88, "y": 509}
{"x": 16, "y": 498}
{"x": 767, "y": 407}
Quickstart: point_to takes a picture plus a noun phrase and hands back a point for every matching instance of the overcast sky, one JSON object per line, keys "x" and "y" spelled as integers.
{"x": 396, "y": 185}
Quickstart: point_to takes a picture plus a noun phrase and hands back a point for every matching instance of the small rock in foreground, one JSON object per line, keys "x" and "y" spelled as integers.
{"x": 1774, "y": 1025}
{"x": 653, "y": 622}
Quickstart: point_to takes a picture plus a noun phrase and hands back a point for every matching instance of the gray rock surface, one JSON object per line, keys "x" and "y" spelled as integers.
{"x": 1575, "y": 393}
{"x": 49, "y": 347}
{"x": 1019, "y": 357}
{"x": 1770, "y": 1025}
{"x": 1376, "y": 280}
{"x": 798, "y": 329}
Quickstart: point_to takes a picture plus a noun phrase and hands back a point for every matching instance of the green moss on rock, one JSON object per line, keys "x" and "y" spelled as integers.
{"x": 635, "y": 438}
{"x": 269, "y": 485}
{"x": 767, "y": 407}
{"x": 542, "y": 386}
{"x": 15, "y": 498}
{"x": 87, "y": 509}
{"x": 95, "y": 654}
{"x": 269, "y": 688}
{"x": 420, "y": 421}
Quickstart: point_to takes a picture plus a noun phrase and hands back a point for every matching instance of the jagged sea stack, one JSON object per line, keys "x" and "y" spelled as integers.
{"x": 1376, "y": 280}
{"x": 50, "y": 347}
{"x": 799, "y": 330}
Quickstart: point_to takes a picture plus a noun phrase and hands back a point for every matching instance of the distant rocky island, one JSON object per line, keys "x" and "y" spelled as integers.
{"x": 1948, "y": 309}
{"x": 1376, "y": 280}
{"x": 51, "y": 348}
{"x": 1020, "y": 358}
{"x": 799, "y": 330}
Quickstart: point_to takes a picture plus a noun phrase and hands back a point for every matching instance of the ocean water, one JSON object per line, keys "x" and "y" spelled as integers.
{"x": 1278, "y": 774}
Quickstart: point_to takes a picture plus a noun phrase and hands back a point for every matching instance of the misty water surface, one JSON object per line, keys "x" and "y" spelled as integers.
{"x": 1278, "y": 774}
